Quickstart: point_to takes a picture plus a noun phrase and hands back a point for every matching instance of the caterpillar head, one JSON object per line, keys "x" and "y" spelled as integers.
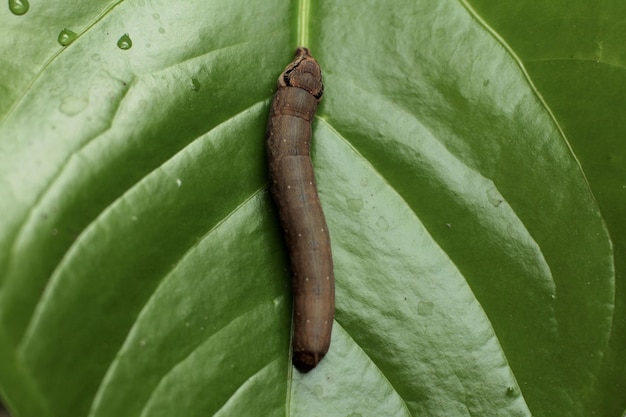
{"x": 304, "y": 72}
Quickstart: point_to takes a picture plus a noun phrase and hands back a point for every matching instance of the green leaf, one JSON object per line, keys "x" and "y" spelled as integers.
{"x": 142, "y": 269}
{"x": 575, "y": 55}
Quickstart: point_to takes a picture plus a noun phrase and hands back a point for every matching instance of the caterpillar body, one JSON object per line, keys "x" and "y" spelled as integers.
{"x": 294, "y": 191}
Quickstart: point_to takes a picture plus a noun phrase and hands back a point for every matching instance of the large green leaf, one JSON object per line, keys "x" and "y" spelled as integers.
{"x": 576, "y": 56}
{"x": 142, "y": 267}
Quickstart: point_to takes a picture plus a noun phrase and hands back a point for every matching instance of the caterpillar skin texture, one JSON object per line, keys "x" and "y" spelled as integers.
{"x": 294, "y": 190}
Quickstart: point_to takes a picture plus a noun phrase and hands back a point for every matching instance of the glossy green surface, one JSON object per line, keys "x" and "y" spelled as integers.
{"x": 575, "y": 55}
{"x": 141, "y": 267}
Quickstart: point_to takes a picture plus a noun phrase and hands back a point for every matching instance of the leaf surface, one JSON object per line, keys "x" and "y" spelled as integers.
{"x": 474, "y": 272}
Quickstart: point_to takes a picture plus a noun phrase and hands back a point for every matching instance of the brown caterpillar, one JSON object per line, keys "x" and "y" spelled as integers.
{"x": 294, "y": 190}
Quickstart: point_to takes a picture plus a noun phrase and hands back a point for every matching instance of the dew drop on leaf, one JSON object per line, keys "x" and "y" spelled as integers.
{"x": 511, "y": 392}
{"x": 494, "y": 197}
{"x": 73, "y": 105}
{"x": 382, "y": 224}
{"x": 124, "y": 42}
{"x": 19, "y": 7}
{"x": 425, "y": 308}
{"x": 66, "y": 37}
{"x": 355, "y": 204}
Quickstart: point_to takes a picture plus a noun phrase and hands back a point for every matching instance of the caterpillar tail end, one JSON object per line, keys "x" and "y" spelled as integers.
{"x": 305, "y": 361}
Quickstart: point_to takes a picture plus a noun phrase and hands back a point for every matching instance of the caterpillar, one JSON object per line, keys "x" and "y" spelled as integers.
{"x": 293, "y": 188}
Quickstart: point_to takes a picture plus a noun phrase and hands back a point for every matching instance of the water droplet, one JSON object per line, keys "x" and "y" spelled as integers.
{"x": 179, "y": 182}
{"x": 161, "y": 30}
{"x": 425, "y": 308}
{"x": 19, "y": 7}
{"x": 318, "y": 390}
{"x": 124, "y": 42}
{"x": 355, "y": 204}
{"x": 66, "y": 37}
{"x": 156, "y": 16}
{"x": 73, "y": 105}
{"x": 96, "y": 57}
{"x": 195, "y": 84}
{"x": 494, "y": 197}
{"x": 486, "y": 83}
{"x": 382, "y": 224}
